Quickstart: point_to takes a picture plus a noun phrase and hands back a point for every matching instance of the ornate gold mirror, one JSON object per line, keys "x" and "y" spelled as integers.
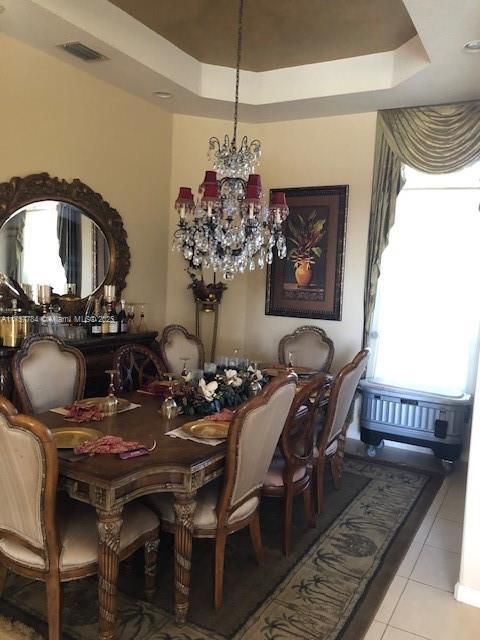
{"x": 62, "y": 234}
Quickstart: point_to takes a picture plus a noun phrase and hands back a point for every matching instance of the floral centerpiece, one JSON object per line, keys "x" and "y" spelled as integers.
{"x": 226, "y": 389}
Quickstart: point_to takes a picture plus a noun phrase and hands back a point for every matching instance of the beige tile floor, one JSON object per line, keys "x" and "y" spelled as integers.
{"x": 419, "y": 603}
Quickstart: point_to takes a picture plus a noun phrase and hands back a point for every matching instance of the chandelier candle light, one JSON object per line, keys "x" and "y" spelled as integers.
{"x": 230, "y": 228}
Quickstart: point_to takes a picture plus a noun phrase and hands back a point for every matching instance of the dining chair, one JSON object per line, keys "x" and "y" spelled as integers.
{"x": 135, "y": 365}
{"x": 290, "y": 472}
{"x": 231, "y": 502}
{"x": 47, "y": 373}
{"x": 310, "y": 347}
{"x": 177, "y": 345}
{"x": 330, "y": 445}
{"x": 49, "y": 538}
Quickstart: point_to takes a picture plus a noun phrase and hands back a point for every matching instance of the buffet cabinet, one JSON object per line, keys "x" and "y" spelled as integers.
{"x": 98, "y": 354}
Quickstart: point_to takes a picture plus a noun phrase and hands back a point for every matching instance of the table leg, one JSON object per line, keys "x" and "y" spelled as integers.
{"x": 184, "y": 509}
{"x": 109, "y": 524}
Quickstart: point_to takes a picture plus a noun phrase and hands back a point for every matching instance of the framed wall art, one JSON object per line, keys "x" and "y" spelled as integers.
{"x": 308, "y": 283}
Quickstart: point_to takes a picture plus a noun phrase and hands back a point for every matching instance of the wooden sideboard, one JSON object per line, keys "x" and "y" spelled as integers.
{"x": 98, "y": 354}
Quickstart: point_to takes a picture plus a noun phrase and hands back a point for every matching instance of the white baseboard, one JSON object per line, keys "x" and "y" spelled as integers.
{"x": 468, "y": 595}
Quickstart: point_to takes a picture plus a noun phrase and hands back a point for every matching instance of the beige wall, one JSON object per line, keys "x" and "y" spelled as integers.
{"x": 73, "y": 125}
{"x": 322, "y": 151}
{"x": 58, "y": 119}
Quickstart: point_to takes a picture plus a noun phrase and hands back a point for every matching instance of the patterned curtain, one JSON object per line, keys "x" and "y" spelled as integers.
{"x": 438, "y": 139}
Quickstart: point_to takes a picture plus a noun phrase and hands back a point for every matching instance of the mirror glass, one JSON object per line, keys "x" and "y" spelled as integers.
{"x": 55, "y": 243}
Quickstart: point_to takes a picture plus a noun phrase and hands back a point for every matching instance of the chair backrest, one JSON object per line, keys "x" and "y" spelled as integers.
{"x": 135, "y": 365}
{"x": 47, "y": 373}
{"x": 342, "y": 394}
{"x": 296, "y": 441}
{"x": 311, "y": 346}
{"x": 28, "y": 484}
{"x": 176, "y": 343}
{"x": 252, "y": 438}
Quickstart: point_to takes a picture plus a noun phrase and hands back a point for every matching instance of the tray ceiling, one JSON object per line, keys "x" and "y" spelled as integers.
{"x": 431, "y": 67}
{"x": 277, "y": 33}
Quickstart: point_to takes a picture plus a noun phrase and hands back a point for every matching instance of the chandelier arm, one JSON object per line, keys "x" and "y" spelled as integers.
{"x": 237, "y": 78}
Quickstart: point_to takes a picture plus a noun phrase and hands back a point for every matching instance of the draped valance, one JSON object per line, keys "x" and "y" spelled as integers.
{"x": 435, "y": 139}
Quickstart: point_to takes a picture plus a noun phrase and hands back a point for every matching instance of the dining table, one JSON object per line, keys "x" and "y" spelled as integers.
{"x": 107, "y": 483}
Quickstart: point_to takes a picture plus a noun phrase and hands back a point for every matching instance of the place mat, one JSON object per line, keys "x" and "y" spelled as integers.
{"x": 64, "y": 412}
{"x": 180, "y": 433}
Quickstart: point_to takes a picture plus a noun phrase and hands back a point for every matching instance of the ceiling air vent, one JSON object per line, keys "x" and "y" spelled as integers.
{"x": 82, "y": 51}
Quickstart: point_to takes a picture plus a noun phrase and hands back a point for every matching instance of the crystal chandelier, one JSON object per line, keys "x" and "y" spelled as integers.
{"x": 229, "y": 227}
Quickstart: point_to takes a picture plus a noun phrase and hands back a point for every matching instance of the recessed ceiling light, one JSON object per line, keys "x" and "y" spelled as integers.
{"x": 162, "y": 94}
{"x": 473, "y": 46}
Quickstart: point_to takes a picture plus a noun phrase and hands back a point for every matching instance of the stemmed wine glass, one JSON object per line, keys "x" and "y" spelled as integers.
{"x": 169, "y": 408}
{"x": 141, "y": 322}
{"x": 184, "y": 359}
{"x": 131, "y": 317}
{"x": 111, "y": 401}
{"x": 291, "y": 358}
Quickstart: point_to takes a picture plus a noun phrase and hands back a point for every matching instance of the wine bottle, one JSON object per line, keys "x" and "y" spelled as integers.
{"x": 114, "y": 325}
{"x": 96, "y": 322}
{"x": 105, "y": 320}
{"x": 122, "y": 318}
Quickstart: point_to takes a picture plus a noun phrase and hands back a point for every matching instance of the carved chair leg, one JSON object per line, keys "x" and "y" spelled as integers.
{"x": 220, "y": 542}
{"x": 287, "y": 522}
{"x": 336, "y": 472}
{"x": 256, "y": 537}
{"x": 336, "y": 462}
{"x": 151, "y": 555}
{"x": 3, "y": 577}
{"x": 308, "y": 506}
{"x": 54, "y": 607}
{"x": 319, "y": 471}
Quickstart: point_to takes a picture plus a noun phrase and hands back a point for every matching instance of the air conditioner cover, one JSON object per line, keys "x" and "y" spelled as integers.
{"x": 415, "y": 417}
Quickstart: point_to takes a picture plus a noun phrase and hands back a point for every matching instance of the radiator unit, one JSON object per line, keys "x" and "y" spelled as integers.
{"x": 430, "y": 420}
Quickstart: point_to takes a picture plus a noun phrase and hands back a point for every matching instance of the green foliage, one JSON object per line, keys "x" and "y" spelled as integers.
{"x": 189, "y": 397}
{"x": 305, "y": 235}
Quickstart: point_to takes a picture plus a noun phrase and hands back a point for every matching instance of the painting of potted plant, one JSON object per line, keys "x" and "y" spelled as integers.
{"x": 309, "y": 282}
{"x": 306, "y": 234}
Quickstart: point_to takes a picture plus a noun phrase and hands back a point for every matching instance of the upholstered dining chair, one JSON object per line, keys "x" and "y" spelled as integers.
{"x": 290, "y": 472}
{"x": 47, "y": 373}
{"x": 176, "y": 344}
{"x": 231, "y": 503}
{"x": 330, "y": 444}
{"x": 49, "y": 539}
{"x": 310, "y": 347}
{"x": 135, "y": 365}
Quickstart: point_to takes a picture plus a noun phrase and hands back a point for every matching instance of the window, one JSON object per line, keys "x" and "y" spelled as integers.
{"x": 425, "y": 325}
{"x": 41, "y": 259}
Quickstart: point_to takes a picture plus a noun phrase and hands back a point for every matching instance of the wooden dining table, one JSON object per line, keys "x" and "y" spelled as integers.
{"x": 107, "y": 483}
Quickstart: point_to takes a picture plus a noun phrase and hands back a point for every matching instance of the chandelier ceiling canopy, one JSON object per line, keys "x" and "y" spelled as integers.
{"x": 229, "y": 227}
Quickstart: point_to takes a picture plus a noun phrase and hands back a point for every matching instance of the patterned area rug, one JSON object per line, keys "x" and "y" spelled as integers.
{"x": 10, "y": 630}
{"x": 328, "y": 588}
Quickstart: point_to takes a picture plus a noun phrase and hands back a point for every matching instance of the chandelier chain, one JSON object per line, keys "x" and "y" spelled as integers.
{"x": 237, "y": 78}
{"x": 230, "y": 228}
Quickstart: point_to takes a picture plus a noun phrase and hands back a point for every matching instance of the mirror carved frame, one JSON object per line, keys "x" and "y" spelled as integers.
{"x": 20, "y": 192}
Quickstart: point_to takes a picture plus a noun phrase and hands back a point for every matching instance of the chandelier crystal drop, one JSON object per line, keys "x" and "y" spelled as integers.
{"x": 229, "y": 227}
